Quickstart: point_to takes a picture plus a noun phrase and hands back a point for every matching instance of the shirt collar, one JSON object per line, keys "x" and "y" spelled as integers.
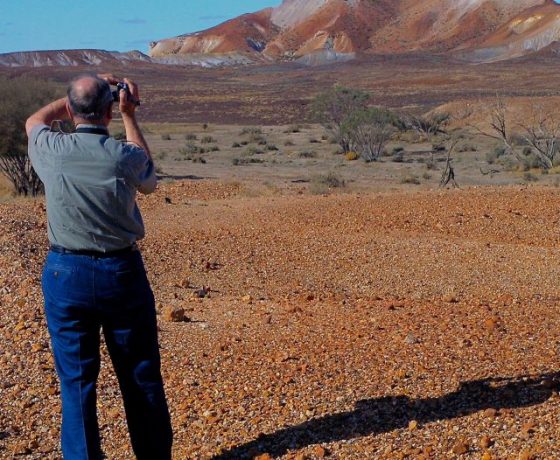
{"x": 92, "y": 129}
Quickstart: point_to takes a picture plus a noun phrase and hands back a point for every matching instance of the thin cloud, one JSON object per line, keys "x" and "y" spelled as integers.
{"x": 133, "y": 22}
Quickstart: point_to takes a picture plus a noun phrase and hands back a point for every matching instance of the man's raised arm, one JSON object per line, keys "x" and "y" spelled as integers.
{"x": 127, "y": 107}
{"x": 57, "y": 110}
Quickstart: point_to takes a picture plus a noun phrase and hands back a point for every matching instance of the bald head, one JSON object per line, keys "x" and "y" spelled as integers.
{"x": 90, "y": 98}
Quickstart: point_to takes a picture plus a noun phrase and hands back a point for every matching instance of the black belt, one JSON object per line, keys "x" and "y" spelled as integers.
{"x": 85, "y": 252}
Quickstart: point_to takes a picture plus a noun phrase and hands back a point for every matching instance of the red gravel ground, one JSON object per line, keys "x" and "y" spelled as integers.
{"x": 388, "y": 326}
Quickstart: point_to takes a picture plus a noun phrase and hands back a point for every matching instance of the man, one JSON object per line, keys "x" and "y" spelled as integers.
{"x": 94, "y": 277}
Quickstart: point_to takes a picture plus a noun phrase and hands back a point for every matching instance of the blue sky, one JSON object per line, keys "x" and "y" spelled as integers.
{"x": 112, "y": 25}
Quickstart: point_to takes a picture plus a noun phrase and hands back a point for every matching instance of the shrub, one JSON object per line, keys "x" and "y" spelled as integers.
{"x": 246, "y": 161}
{"x": 289, "y": 143}
{"x": 207, "y": 140}
{"x": 398, "y": 157}
{"x": 312, "y": 140}
{"x": 293, "y": 129}
{"x": 518, "y": 139}
{"x": 160, "y": 155}
{"x": 166, "y": 137}
{"x": 431, "y": 164}
{"x": 214, "y": 148}
{"x": 467, "y": 148}
{"x": 307, "y": 154}
{"x": 190, "y": 137}
{"x": 329, "y": 180}
{"x": 398, "y": 149}
{"x": 271, "y": 148}
{"x": 250, "y": 151}
{"x": 410, "y": 178}
{"x": 369, "y": 130}
{"x": 332, "y": 108}
{"x": 530, "y": 177}
{"x": 236, "y": 145}
{"x": 251, "y": 130}
{"x": 426, "y": 176}
{"x": 492, "y": 157}
{"x": 199, "y": 160}
{"x": 508, "y": 163}
{"x": 20, "y": 98}
{"x": 190, "y": 148}
{"x": 531, "y": 161}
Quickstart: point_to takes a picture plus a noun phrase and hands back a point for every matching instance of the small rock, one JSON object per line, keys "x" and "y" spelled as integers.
{"x": 485, "y": 442}
{"x": 174, "y": 314}
{"x": 490, "y": 413}
{"x": 411, "y": 339}
{"x": 460, "y": 447}
{"x": 320, "y": 452}
{"x": 450, "y": 298}
{"x": 486, "y": 456}
{"x": 263, "y": 457}
{"x": 412, "y": 425}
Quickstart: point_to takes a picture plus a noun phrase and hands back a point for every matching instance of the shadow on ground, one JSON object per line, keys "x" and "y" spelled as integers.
{"x": 381, "y": 415}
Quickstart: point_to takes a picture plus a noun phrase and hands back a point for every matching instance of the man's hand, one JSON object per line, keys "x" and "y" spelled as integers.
{"x": 129, "y": 102}
{"x": 109, "y": 78}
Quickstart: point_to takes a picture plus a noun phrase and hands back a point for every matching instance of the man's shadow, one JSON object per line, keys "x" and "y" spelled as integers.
{"x": 381, "y": 415}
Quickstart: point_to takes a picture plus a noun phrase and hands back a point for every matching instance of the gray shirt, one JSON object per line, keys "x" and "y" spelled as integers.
{"x": 91, "y": 182}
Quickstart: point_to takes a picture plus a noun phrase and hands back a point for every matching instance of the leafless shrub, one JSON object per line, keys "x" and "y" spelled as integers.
{"x": 20, "y": 98}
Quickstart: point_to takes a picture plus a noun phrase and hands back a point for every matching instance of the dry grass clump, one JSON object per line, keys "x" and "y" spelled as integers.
{"x": 323, "y": 183}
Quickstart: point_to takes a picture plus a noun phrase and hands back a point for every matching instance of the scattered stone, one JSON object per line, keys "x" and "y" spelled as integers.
{"x": 174, "y": 314}
{"x": 460, "y": 447}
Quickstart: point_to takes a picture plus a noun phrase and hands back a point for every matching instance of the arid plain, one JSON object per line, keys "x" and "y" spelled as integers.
{"x": 375, "y": 316}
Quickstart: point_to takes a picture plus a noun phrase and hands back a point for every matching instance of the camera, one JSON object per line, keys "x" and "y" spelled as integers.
{"x": 123, "y": 86}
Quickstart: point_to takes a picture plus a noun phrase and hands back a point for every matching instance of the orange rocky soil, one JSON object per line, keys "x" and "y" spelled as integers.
{"x": 412, "y": 325}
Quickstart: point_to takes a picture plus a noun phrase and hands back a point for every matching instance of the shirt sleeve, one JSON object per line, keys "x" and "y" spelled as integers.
{"x": 42, "y": 150}
{"x": 141, "y": 169}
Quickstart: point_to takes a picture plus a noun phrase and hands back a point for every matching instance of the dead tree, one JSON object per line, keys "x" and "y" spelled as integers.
{"x": 499, "y": 127}
{"x": 542, "y": 133}
{"x": 429, "y": 126}
{"x": 448, "y": 176}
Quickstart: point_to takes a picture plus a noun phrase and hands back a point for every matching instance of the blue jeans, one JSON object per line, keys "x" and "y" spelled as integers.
{"x": 87, "y": 294}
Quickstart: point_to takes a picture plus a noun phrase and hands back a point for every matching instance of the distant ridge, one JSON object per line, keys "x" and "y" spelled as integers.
{"x": 332, "y": 30}
{"x": 316, "y": 32}
{"x": 69, "y": 58}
